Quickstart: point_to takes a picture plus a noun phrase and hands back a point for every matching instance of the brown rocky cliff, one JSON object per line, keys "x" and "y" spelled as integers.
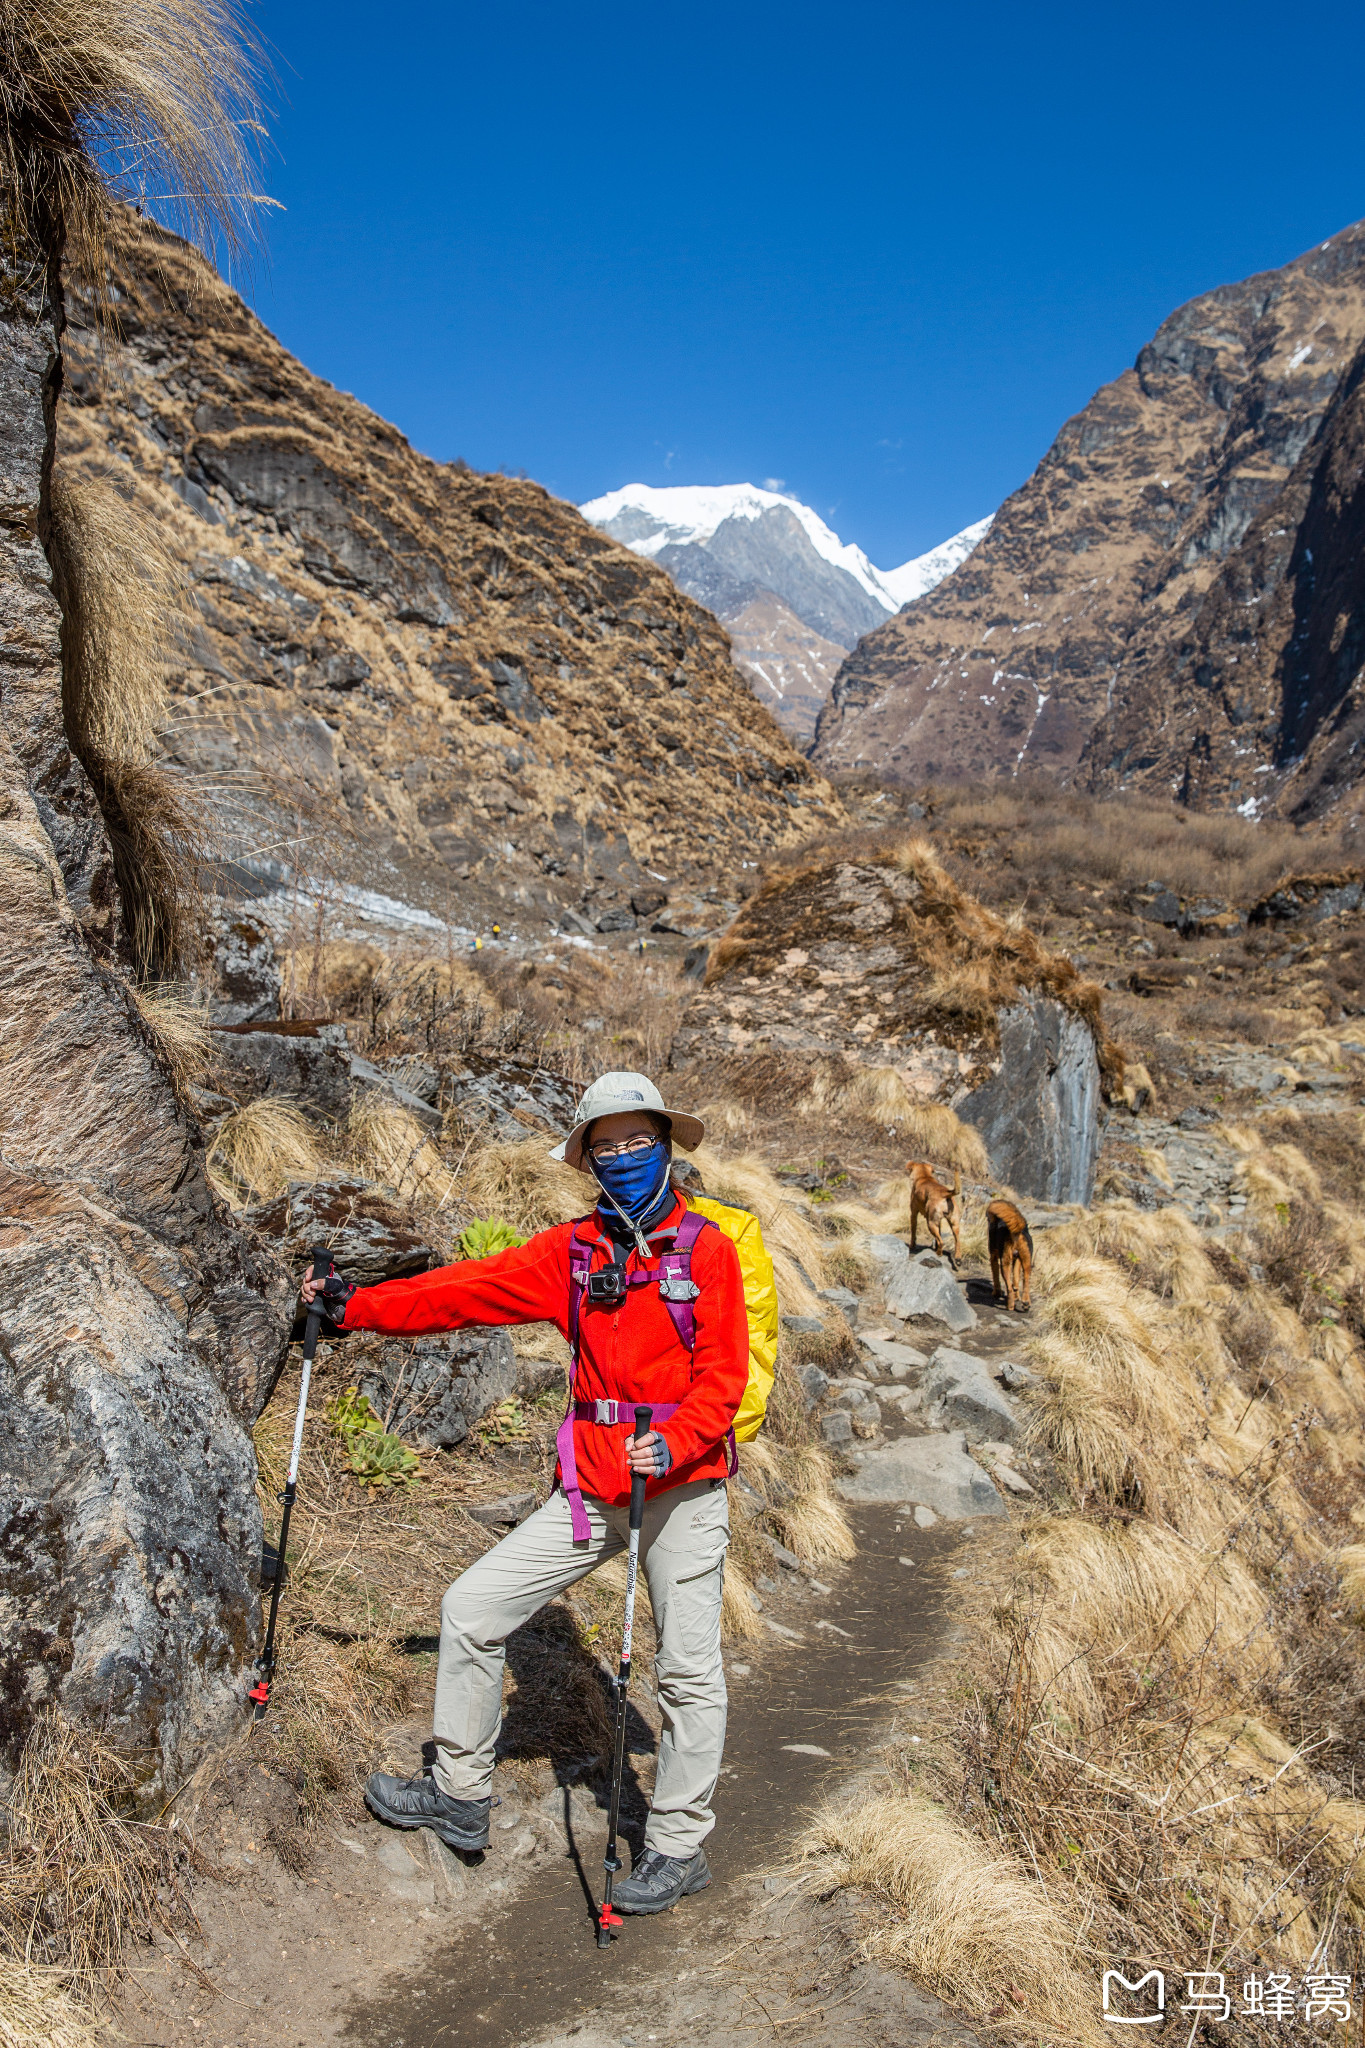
{"x": 1103, "y": 557}
{"x": 139, "y": 1329}
{"x": 1258, "y": 701}
{"x": 508, "y": 710}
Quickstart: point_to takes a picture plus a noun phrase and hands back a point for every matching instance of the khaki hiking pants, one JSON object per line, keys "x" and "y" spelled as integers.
{"x": 682, "y": 1560}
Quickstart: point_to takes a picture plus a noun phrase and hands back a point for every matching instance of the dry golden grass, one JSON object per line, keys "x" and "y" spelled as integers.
{"x": 79, "y": 1883}
{"x": 929, "y": 1130}
{"x": 258, "y": 1149}
{"x": 797, "y": 1484}
{"x": 37, "y": 2010}
{"x": 151, "y": 100}
{"x": 797, "y": 1250}
{"x": 388, "y": 1144}
{"x": 121, "y": 600}
{"x": 180, "y": 1028}
{"x": 522, "y": 1185}
{"x": 969, "y": 1923}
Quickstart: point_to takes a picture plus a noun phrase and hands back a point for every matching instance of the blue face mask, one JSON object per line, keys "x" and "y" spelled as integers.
{"x": 635, "y": 1180}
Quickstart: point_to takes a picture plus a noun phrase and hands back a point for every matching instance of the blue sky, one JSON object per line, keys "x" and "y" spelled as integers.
{"x": 877, "y": 252}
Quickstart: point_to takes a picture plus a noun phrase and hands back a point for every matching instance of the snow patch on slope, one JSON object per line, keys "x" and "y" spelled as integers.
{"x": 656, "y": 517}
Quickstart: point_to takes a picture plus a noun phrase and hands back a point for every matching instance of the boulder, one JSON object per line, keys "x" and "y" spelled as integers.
{"x": 813, "y": 1383}
{"x": 372, "y": 1233}
{"x": 845, "y": 1300}
{"x": 432, "y": 1390}
{"x": 926, "y": 1286}
{"x": 959, "y": 1388}
{"x": 930, "y": 1471}
{"x": 1039, "y": 1115}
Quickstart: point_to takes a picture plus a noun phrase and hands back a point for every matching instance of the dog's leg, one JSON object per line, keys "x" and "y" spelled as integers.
{"x": 1026, "y": 1270}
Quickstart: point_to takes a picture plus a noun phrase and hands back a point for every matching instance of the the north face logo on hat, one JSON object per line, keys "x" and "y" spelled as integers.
{"x": 630, "y": 1095}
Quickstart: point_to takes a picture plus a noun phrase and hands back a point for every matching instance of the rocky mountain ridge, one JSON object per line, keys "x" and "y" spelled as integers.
{"x": 792, "y": 594}
{"x": 1152, "y": 610}
{"x": 473, "y": 701}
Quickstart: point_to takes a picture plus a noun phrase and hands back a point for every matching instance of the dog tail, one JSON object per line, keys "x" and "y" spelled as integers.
{"x": 957, "y": 1180}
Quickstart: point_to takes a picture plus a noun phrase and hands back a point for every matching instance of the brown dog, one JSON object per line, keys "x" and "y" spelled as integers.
{"x": 938, "y": 1206}
{"x": 1011, "y": 1248}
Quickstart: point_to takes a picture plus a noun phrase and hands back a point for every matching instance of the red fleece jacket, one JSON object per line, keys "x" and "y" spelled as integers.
{"x": 631, "y": 1353}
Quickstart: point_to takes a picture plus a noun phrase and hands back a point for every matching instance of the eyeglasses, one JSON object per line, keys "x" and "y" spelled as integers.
{"x": 629, "y": 1148}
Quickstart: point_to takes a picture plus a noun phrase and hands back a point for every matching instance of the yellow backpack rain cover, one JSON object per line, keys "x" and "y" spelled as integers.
{"x": 760, "y": 1299}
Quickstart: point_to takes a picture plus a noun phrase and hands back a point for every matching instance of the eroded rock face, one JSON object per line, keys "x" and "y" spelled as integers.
{"x": 139, "y": 1328}
{"x": 1039, "y": 1115}
{"x": 519, "y": 717}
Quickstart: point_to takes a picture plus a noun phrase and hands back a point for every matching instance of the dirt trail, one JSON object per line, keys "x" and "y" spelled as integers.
{"x": 530, "y": 1971}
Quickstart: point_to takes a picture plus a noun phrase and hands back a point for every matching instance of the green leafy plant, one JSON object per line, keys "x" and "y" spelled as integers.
{"x": 505, "y": 1424}
{"x": 374, "y": 1454}
{"x": 486, "y": 1235}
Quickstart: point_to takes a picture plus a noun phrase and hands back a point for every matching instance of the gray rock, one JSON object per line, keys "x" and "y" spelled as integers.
{"x": 244, "y": 970}
{"x": 507, "y": 1100}
{"x": 289, "y": 1059}
{"x": 364, "y": 1074}
{"x": 926, "y": 1287}
{"x": 837, "y": 1427}
{"x": 369, "y": 1229}
{"x": 1039, "y": 1115}
{"x": 803, "y": 1326}
{"x": 898, "y": 1359}
{"x": 139, "y": 1327}
{"x": 959, "y": 1388}
{"x": 889, "y": 1254}
{"x": 432, "y": 1390}
{"x": 1016, "y": 1376}
{"x": 925, "y": 1518}
{"x": 931, "y": 1471}
{"x": 813, "y": 1383}
{"x": 507, "y": 1513}
{"x": 845, "y": 1300}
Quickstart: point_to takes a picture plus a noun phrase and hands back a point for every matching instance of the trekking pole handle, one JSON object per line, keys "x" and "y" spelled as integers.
{"x": 644, "y": 1417}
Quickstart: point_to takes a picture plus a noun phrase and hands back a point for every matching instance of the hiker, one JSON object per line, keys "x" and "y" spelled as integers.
{"x": 649, "y": 1294}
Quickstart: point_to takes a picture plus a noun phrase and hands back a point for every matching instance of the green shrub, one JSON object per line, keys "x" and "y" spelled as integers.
{"x": 484, "y": 1236}
{"x": 374, "y": 1454}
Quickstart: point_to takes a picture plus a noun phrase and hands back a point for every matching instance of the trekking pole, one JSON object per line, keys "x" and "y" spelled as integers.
{"x": 265, "y": 1663}
{"x": 607, "y": 1919}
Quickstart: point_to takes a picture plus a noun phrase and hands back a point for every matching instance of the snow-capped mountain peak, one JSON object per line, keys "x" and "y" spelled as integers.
{"x": 650, "y": 518}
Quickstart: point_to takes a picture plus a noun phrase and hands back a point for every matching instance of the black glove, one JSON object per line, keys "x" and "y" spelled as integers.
{"x": 334, "y": 1294}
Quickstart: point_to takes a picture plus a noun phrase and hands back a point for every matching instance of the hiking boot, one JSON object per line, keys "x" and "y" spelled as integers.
{"x": 657, "y": 1882}
{"x": 420, "y": 1803}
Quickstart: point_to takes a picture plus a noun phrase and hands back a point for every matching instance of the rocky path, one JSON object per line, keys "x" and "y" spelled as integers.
{"x": 751, "y": 1953}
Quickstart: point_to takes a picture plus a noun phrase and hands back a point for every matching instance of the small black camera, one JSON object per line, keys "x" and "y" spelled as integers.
{"x": 608, "y": 1288}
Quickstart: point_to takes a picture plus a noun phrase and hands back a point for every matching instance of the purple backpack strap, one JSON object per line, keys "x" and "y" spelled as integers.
{"x": 580, "y": 1265}
{"x": 677, "y": 1289}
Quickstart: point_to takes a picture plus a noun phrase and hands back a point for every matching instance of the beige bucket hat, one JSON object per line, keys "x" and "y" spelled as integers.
{"x": 612, "y": 1095}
